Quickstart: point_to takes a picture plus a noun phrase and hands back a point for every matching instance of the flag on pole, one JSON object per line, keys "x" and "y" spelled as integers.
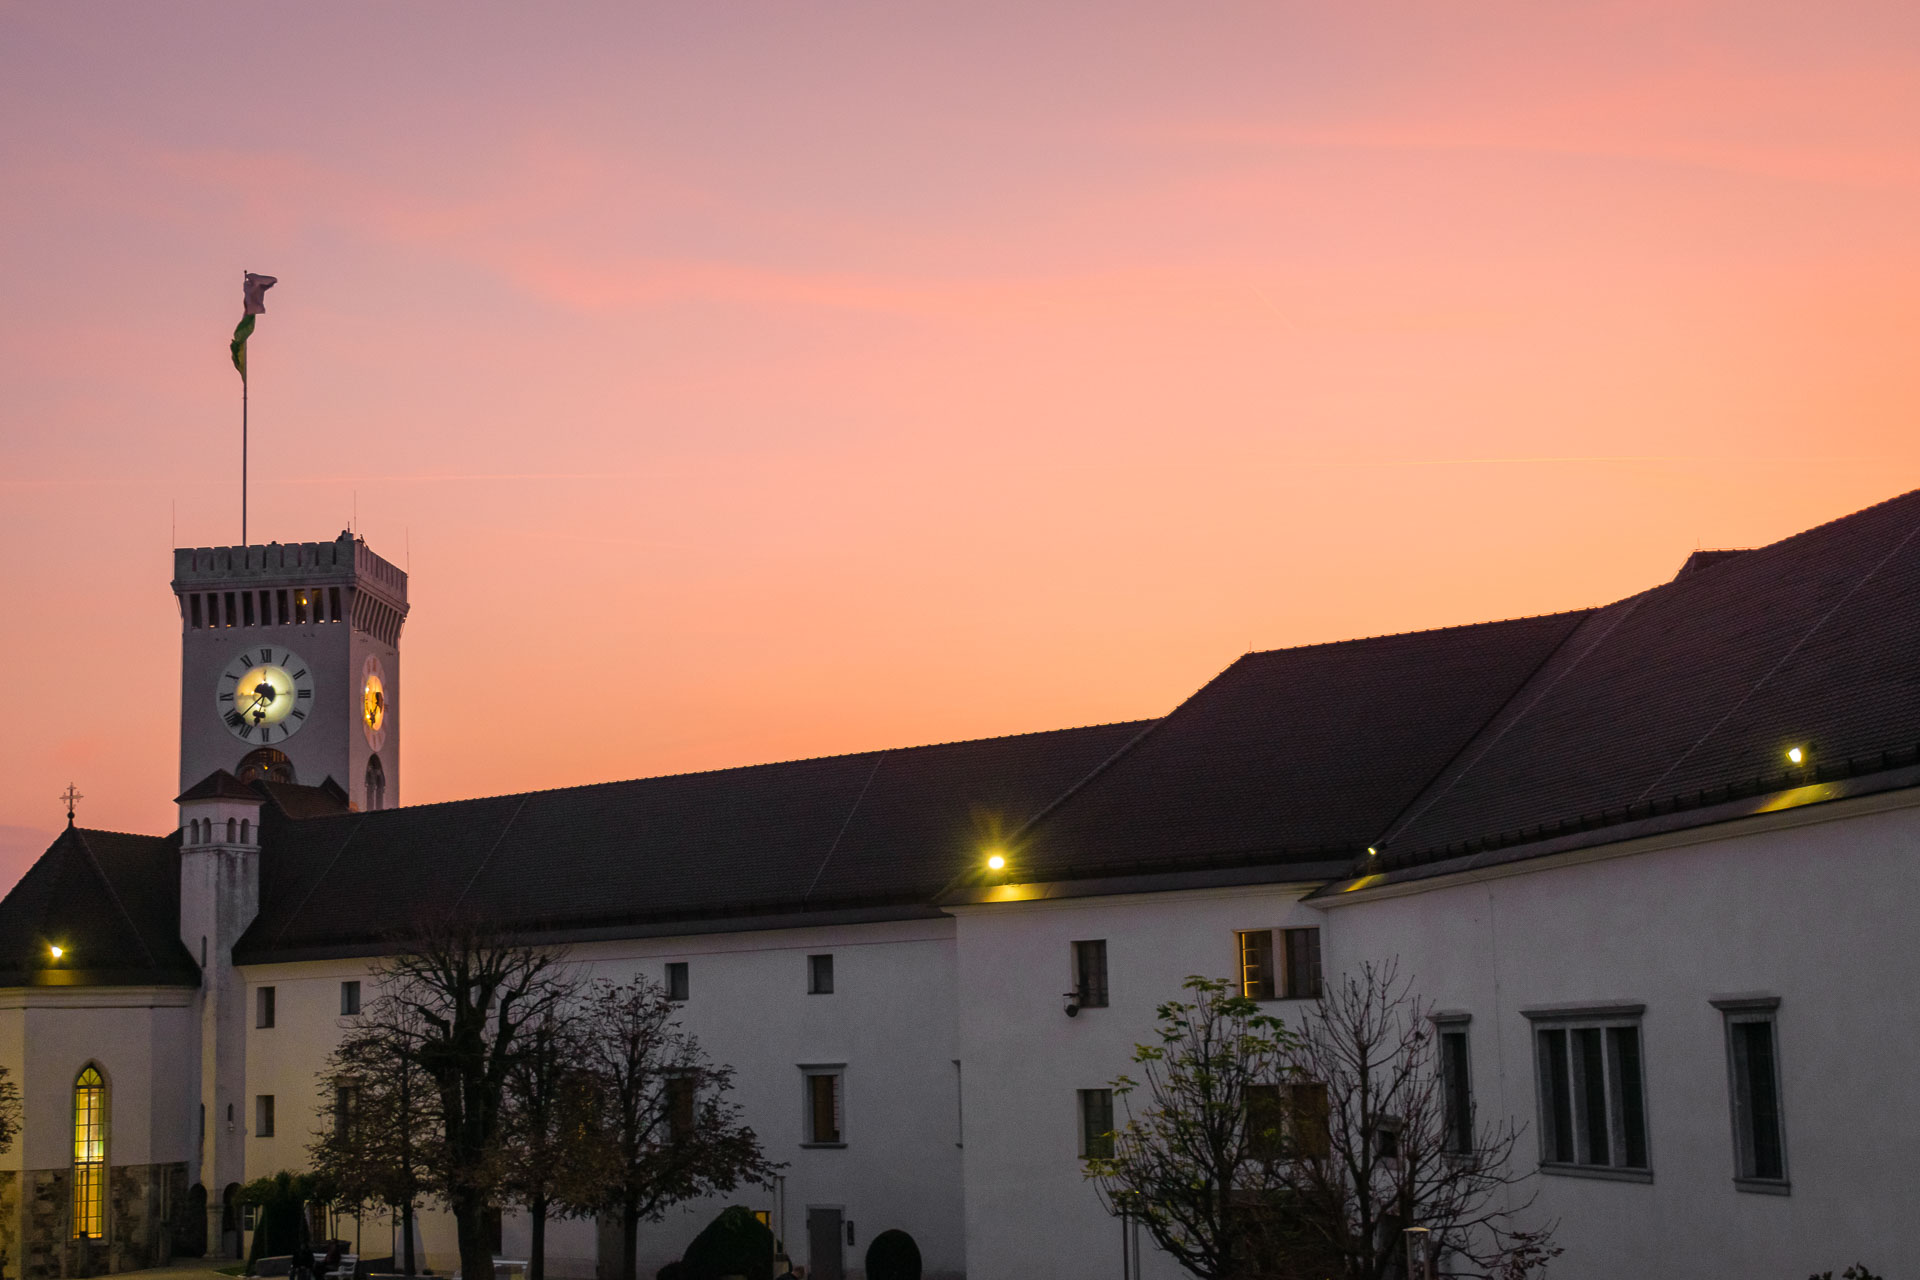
{"x": 255, "y": 290}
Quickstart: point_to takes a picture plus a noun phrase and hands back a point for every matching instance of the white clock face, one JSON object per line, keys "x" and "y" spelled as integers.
{"x": 374, "y": 701}
{"x": 265, "y": 694}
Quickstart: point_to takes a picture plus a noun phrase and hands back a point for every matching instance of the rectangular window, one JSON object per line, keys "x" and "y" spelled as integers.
{"x": 1456, "y": 1087}
{"x": 263, "y": 1116}
{"x": 680, "y": 1107}
{"x": 280, "y": 605}
{"x": 824, "y": 1126}
{"x": 1309, "y": 1120}
{"x": 230, "y": 607}
{"x": 820, "y": 975}
{"x": 1753, "y": 1086}
{"x": 193, "y": 608}
{"x": 333, "y": 597}
{"x": 346, "y": 1100}
{"x": 246, "y": 608}
{"x": 1592, "y": 1092}
{"x": 677, "y": 980}
{"x": 263, "y": 1007}
{"x": 1266, "y": 1123}
{"x": 1096, "y": 1123}
{"x": 349, "y": 998}
{"x": 1256, "y": 964}
{"x": 1090, "y": 973}
{"x": 249, "y": 1217}
{"x": 300, "y": 608}
{"x": 1302, "y": 949}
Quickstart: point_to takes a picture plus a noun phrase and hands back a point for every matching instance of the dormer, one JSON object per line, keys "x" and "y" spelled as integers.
{"x": 219, "y": 810}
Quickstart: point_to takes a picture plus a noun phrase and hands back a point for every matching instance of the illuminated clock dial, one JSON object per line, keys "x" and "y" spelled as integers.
{"x": 264, "y": 694}
{"x": 373, "y": 703}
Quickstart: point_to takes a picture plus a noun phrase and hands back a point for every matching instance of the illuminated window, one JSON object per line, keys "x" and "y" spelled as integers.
{"x": 89, "y": 1155}
{"x": 825, "y": 1126}
{"x": 1256, "y": 964}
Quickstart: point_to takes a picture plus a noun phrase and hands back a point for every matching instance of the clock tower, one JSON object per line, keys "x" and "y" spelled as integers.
{"x": 290, "y": 665}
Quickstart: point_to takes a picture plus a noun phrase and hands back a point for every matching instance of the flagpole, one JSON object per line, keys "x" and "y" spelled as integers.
{"x": 243, "y": 442}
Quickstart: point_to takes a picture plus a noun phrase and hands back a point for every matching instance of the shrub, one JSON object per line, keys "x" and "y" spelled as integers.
{"x": 734, "y": 1244}
{"x": 1858, "y": 1271}
{"x": 893, "y": 1256}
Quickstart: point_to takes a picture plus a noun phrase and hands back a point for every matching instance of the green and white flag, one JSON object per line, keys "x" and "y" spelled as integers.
{"x": 255, "y": 290}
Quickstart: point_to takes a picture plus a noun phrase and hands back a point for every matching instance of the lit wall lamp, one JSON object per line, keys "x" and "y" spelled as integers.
{"x": 56, "y": 951}
{"x": 1800, "y": 754}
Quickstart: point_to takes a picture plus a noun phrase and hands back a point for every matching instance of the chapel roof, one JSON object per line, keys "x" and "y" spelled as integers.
{"x": 872, "y": 835}
{"x": 110, "y": 901}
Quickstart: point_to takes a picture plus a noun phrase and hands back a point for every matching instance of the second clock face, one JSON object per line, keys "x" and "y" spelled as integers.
{"x": 265, "y": 694}
{"x": 373, "y": 703}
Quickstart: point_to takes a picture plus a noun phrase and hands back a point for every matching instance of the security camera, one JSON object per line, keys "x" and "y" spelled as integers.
{"x": 1073, "y": 1004}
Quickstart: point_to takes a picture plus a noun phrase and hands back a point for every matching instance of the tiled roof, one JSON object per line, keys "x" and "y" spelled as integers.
{"x": 882, "y": 830}
{"x": 1677, "y": 694}
{"x": 218, "y": 785}
{"x": 1292, "y": 754}
{"x": 111, "y": 901}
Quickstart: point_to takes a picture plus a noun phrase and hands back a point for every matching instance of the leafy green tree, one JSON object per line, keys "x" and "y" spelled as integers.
{"x": 1192, "y": 1164}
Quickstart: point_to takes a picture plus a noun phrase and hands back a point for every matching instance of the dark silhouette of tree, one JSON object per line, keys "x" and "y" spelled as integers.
{"x": 552, "y": 1160}
{"x": 670, "y": 1131}
{"x": 9, "y": 1111}
{"x": 1391, "y": 1154}
{"x": 377, "y": 1143}
{"x": 464, "y": 999}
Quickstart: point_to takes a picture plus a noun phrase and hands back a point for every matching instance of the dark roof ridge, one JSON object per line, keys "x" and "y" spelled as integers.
{"x": 1418, "y": 631}
{"x": 1828, "y": 524}
{"x": 131, "y": 835}
{"x": 745, "y": 768}
{"x": 133, "y": 926}
{"x": 1125, "y": 748}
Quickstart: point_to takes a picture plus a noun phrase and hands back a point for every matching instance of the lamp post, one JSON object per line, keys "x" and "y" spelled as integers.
{"x": 1419, "y": 1253}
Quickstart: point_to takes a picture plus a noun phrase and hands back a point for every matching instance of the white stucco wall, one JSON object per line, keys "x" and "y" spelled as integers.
{"x": 1029, "y": 1210}
{"x": 1818, "y": 911}
{"x": 890, "y": 1018}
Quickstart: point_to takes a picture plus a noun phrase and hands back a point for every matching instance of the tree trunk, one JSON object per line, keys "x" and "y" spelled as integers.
{"x": 406, "y": 1236}
{"x": 537, "y": 1253}
{"x": 476, "y": 1245}
{"x": 629, "y": 1243}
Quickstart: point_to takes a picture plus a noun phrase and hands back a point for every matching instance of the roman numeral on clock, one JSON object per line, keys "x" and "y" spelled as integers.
{"x": 298, "y": 714}
{"x": 266, "y": 655}
{"x": 301, "y": 674}
{"x": 306, "y": 693}
{"x": 226, "y": 697}
{"x": 246, "y": 731}
{"x": 235, "y": 719}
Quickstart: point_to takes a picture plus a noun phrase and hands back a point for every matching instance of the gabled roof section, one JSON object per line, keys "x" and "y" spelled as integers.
{"x": 1691, "y": 693}
{"x": 879, "y": 832}
{"x": 111, "y": 901}
{"x": 1292, "y": 755}
{"x": 297, "y": 801}
{"x": 218, "y": 785}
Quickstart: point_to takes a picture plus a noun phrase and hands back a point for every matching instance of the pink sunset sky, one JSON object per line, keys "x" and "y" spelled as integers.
{"x": 748, "y": 381}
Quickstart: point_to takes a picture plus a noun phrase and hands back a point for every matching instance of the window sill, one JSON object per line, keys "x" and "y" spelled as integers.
{"x": 1602, "y": 1172}
{"x": 823, "y": 1146}
{"x": 1763, "y": 1186}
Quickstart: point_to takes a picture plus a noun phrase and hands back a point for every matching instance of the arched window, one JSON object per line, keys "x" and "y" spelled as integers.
{"x": 246, "y": 831}
{"x": 265, "y": 764}
{"x": 232, "y": 830}
{"x": 376, "y": 783}
{"x": 89, "y": 1154}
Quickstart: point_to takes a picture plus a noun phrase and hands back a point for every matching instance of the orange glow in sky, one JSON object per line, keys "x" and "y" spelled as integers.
{"x": 745, "y": 381}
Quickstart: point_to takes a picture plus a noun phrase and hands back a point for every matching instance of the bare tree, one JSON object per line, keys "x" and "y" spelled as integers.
{"x": 671, "y": 1133}
{"x": 468, "y": 996}
{"x": 376, "y": 1141}
{"x": 1397, "y": 1150}
{"x": 552, "y": 1160}
{"x": 1191, "y": 1162}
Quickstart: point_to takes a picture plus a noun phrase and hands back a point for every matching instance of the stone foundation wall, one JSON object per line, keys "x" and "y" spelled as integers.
{"x": 144, "y": 1202}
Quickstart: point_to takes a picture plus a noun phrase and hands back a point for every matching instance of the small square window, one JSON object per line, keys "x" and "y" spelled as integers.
{"x": 263, "y": 1007}
{"x": 349, "y": 998}
{"x": 677, "y": 980}
{"x": 825, "y": 1125}
{"x": 263, "y": 1116}
{"x": 1090, "y": 973}
{"x": 820, "y": 975}
{"x": 1096, "y": 1124}
{"x": 249, "y": 1217}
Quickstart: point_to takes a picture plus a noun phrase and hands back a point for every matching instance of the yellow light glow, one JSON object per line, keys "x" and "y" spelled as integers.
{"x": 1796, "y": 754}
{"x": 265, "y": 695}
{"x": 373, "y": 703}
{"x": 1372, "y": 852}
{"x": 996, "y": 862}
{"x": 57, "y": 951}
{"x": 1362, "y": 883}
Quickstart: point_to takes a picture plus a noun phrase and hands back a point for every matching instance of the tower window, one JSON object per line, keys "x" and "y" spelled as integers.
{"x": 246, "y": 831}
{"x": 193, "y": 609}
{"x": 333, "y": 599}
{"x": 246, "y": 608}
{"x": 300, "y": 607}
{"x": 233, "y": 831}
{"x": 280, "y": 605}
{"x": 376, "y": 783}
{"x": 230, "y": 608}
{"x": 89, "y": 1155}
{"x": 265, "y": 764}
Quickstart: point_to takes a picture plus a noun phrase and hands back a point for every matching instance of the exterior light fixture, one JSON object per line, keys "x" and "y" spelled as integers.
{"x": 996, "y": 862}
{"x": 1372, "y": 852}
{"x": 57, "y": 951}
{"x": 1797, "y": 755}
